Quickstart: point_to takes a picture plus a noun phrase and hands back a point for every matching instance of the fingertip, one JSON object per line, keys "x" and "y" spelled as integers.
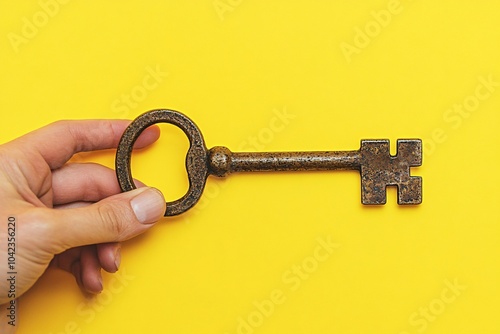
{"x": 109, "y": 256}
{"x": 77, "y": 273}
{"x": 148, "y": 136}
{"x": 96, "y": 287}
{"x": 154, "y": 131}
{"x": 91, "y": 270}
{"x": 113, "y": 219}
{"x": 139, "y": 184}
{"x": 148, "y": 206}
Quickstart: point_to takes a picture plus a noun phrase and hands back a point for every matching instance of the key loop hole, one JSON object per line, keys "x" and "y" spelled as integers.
{"x": 196, "y": 157}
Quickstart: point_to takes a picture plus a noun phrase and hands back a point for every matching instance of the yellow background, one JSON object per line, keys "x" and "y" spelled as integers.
{"x": 232, "y": 66}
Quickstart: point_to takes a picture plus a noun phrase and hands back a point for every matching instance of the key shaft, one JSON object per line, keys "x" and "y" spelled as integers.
{"x": 221, "y": 161}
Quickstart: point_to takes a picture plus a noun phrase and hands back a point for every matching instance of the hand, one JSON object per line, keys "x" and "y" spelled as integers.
{"x": 70, "y": 216}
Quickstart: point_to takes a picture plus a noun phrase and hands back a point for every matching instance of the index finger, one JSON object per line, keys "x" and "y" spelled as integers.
{"x": 57, "y": 142}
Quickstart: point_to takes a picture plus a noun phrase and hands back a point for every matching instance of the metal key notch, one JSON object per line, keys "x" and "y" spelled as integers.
{"x": 378, "y": 168}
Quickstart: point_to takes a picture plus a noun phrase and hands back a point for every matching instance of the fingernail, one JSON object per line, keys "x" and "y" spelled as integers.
{"x": 118, "y": 258}
{"x": 148, "y": 206}
{"x": 100, "y": 285}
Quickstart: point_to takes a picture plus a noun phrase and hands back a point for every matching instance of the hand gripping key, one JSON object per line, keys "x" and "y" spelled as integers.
{"x": 378, "y": 168}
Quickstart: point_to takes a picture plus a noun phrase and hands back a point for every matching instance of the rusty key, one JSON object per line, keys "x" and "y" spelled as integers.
{"x": 378, "y": 168}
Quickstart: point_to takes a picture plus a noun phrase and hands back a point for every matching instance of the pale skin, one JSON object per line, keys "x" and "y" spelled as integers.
{"x": 68, "y": 215}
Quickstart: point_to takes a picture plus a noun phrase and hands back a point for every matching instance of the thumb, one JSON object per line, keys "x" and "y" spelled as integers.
{"x": 116, "y": 218}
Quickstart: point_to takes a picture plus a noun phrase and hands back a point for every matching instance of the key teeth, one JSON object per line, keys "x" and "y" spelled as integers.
{"x": 411, "y": 151}
{"x": 410, "y": 193}
{"x": 373, "y": 193}
{"x": 374, "y": 200}
{"x": 376, "y": 146}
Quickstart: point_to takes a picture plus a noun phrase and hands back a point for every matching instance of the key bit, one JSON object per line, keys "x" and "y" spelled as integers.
{"x": 377, "y": 167}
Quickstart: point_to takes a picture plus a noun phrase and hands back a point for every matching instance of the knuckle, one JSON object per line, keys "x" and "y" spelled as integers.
{"x": 114, "y": 219}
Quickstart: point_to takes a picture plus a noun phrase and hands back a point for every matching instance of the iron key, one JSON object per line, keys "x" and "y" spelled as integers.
{"x": 378, "y": 168}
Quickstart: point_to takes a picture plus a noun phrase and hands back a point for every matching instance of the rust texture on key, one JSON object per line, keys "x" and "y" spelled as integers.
{"x": 377, "y": 167}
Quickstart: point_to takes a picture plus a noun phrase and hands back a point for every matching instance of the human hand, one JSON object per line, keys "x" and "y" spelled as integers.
{"x": 69, "y": 215}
